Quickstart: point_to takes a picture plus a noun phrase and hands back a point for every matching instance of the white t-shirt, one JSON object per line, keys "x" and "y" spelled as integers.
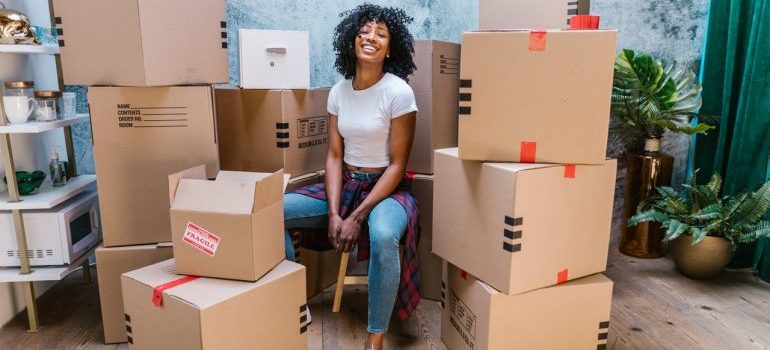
{"x": 363, "y": 117}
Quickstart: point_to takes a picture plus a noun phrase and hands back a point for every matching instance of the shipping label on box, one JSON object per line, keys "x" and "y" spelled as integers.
{"x": 528, "y": 226}
{"x": 574, "y": 315}
{"x": 536, "y": 96}
{"x": 140, "y": 136}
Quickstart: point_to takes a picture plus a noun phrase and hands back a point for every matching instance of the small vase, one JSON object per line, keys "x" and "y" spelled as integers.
{"x": 703, "y": 260}
{"x": 644, "y": 172}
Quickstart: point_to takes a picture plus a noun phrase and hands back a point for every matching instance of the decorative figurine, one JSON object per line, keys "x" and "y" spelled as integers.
{"x": 15, "y": 28}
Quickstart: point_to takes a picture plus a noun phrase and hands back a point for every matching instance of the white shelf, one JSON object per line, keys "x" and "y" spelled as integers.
{"x": 53, "y": 273}
{"x": 30, "y": 49}
{"x": 49, "y": 196}
{"x": 38, "y": 127}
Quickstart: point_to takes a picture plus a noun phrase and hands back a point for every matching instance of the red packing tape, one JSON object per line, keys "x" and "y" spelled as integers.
{"x": 562, "y": 276}
{"x": 569, "y": 171}
{"x": 537, "y": 40}
{"x": 464, "y": 274}
{"x": 527, "y": 152}
{"x": 579, "y": 22}
{"x": 157, "y": 293}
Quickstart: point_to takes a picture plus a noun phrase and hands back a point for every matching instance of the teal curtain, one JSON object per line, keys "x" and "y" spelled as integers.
{"x": 736, "y": 86}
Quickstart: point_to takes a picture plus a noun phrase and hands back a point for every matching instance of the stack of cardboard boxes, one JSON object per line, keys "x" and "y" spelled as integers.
{"x": 435, "y": 89}
{"x": 149, "y": 66}
{"x": 522, "y": 208}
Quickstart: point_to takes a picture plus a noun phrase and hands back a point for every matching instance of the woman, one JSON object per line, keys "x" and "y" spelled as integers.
{"x": 365, "y": 199}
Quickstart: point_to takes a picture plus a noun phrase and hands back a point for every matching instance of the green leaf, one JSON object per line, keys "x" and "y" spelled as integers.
{"x": 756, "y": 232}
{"x": 674, "y": 229}
{"x": 650, "y": 215}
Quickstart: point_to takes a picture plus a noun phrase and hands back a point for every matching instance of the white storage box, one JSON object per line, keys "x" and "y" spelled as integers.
{"x": 274, "y": 59}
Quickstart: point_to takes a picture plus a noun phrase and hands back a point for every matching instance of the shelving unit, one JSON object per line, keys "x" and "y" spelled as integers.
{"x": 30, "y": 49}
{"x": 47, "y": 196}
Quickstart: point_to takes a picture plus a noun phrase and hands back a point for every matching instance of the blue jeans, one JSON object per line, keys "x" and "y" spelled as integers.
{"x": 387, "y": 224}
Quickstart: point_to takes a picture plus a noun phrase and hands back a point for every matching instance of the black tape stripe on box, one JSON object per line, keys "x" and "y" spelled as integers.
{"x": 572, "y": 12}
{"x": 511, "y": 234}
{"x": 281, "y": 125}
{"x": 57, "y": 20}
{"x": 282, "y": 144}
{"x": 224, "y": 35}
{"x": 605, "y": 324}
{"x": 128, "y": 318}
{"x": 224, "y": 45}
{"x": 572, "y": 3}
{"x": 603, "y": 336}
{"x": 513, "y": 221}
{"x": 464, "y": 97}
{"x": 59, "y": 31}
{"x": 511, "y": 247}
{"x": 61, "y": 43}
{"x": 223, "y": 24}
{"x": 282, "y": 135}
{"x": 303, "y": 318}
{"x": 302, "y": 308}
{"x": 303, "y": 329}
{"x": 463, "y": 110}
{"x": 601, "y": 347}
{"x": 128, "y": 329}
{"x": 130, "y": 340}
{"x": 465, "y": 83}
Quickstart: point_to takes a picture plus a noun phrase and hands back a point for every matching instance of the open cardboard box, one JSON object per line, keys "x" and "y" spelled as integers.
{"x": 231, "y": 227}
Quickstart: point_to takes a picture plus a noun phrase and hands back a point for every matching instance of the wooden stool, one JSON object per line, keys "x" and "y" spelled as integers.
{"x": 343, "y": 279}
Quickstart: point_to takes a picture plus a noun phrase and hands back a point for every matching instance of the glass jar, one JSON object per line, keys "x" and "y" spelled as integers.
{"x": 19, "y": 88}
{"x": 48, "y": 105}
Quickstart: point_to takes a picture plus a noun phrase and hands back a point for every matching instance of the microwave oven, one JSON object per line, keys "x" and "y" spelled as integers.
{"x": 57, "y": 236}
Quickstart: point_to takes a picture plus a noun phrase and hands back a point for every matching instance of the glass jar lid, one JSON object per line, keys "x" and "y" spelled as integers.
{"x": 19, "y": 84}
{"x": 48, "y": 94}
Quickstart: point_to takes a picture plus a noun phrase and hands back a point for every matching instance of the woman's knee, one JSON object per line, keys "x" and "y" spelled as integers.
{"x": 387, "y": 223}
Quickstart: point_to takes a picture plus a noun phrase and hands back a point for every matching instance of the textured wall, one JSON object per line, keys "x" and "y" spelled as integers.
{"x": 669, "y": 29}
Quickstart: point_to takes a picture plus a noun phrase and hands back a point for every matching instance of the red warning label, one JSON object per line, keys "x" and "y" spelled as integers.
{"x": 201, "y": 239}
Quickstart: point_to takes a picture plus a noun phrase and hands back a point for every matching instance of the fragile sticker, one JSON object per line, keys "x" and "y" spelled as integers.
{"x": 201, "y": 239}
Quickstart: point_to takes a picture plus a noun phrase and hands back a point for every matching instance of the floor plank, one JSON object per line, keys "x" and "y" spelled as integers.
{"x": 654, "y": 307}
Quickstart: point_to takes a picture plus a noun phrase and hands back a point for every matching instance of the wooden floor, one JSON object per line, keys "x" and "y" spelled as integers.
{"x": 653, "y": 308}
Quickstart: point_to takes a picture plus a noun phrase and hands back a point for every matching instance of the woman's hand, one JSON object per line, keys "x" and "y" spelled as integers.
{"x": 348, "y": 237}
{"x": 335, "y": 226}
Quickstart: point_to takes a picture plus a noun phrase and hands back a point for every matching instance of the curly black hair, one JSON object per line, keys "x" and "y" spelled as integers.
{"x": 400, "y": 62}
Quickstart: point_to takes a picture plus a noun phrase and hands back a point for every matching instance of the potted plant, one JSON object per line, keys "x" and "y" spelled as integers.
{"x": 650, "y": 97}
{"x": 703, "y": 227}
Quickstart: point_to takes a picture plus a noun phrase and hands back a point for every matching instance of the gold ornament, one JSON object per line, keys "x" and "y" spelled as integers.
{"x": 15, "y": 28}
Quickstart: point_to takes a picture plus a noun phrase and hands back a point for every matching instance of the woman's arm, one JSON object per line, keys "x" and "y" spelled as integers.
{"x": 333, "y": 179}
{"x": 401, "y": 138}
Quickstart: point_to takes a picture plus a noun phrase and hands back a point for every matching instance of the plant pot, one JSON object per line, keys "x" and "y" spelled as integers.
{"x": 703, "y": 260}
{"x": 644, "y": 172}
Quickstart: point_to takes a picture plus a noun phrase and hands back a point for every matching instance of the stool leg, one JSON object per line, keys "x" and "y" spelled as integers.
{"x": 340, "y": 282}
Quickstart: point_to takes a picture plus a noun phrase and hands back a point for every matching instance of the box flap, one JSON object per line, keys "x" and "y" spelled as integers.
{"x": 270, "y": 190}
{"x": 204, "y": 292}
{"x": 226, "y": 197}
{"x": 196, "y": 172}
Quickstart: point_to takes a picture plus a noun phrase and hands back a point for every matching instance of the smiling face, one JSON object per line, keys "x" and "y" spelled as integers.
{"x": 372, "y": 43}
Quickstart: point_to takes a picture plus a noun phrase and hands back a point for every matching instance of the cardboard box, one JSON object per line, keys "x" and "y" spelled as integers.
{"x": 142, "y": 42}
{"x": 274, "y": 59}
{"x": 431, "y": 266}
{"x": 231, "y": 227}
{"x": 520, "y": 227}
{"x": 574, "y": 315}
{"x": 540, "y": 97}
{"x": 140, "y": 136}
{"x": 208, "y": 313}
{"x": 435, "y": 90}
{"x": 267, "y": 130}
{"x": 515, "y": 14}
{"x": 113, "y": 262}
